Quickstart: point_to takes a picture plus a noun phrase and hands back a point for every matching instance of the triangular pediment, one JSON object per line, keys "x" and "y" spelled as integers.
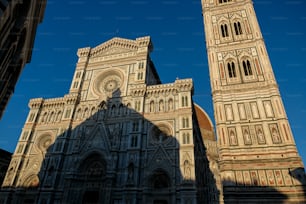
{"x": 159, "y": 158}
{"x": 114, "y": 46}
{"x": 98, "y": 139}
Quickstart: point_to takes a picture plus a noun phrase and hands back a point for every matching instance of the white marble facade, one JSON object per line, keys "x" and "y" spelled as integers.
{"x": 118, "y": 136}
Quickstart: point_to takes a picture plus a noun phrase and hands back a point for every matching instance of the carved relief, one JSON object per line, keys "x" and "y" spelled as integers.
{"x": 271, "y": 178}
{"x": 262, "y": 177}
{"x": 279, "y": 178}
{"x": 254, "y": 178}
{"x": 287, "y": 177}
{"x": 260, "y": 134}
{"x": 232, "y": 136}
{"x": 276, "y": 138}
{"x": 246, "y": 135}
{"x": 187, "y": 166}
{"x": 108, "y": 82}
{"x": 187, "y": 170}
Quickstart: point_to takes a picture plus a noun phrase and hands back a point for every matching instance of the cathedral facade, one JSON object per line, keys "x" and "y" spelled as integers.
{"x": 121, "y": 136}
{"x": 118, "y": 136}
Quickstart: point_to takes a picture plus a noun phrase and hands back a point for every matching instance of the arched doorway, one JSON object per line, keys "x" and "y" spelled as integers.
{"x": 89, "y": 185}
{"x": 160, "y": 187}
{"x": 93, "y": 171}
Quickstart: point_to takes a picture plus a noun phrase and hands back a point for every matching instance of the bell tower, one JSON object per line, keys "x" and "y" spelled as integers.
{"x": 258, "y": 158}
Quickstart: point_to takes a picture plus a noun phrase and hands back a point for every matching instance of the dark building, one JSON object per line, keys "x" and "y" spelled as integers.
{"x": 5, "y": 158}
{"x": 19, "y": 20}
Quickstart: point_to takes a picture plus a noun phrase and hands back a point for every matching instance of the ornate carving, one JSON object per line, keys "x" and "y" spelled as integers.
{"x": 108, "y": 82}
{"x": 260, "y": 134}
{"x": 232, "y": 136}
{"x": 246, "y": 135}
{"x": 276, "y": 138}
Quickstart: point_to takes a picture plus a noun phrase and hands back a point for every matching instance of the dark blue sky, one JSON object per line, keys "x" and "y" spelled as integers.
{"x": 176, "y": 29}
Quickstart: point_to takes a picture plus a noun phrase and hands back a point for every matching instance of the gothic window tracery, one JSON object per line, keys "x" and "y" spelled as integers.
{"x": 247, "y": 69}
{"x": 238, "y": 28}
{"x": 140, "y": 76}
{"x": 185, "y": 122}
{"x": 231, "y": 69}
{"x": 224, "y": 30}
{"x": 184, "y": 101}
{"x": 141, "y": 65}
{"x": 186, "y": 138}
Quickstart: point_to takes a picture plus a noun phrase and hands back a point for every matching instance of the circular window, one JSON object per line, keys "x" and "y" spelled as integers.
{"x": 108, "y": 82}
{"x": 111, "y": 83}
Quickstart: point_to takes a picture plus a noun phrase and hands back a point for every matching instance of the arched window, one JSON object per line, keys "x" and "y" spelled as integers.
{"x": 247, "y": 68}
{"x": 137, "y": 105}
{"x": 85, "y": 114}
{"x": 51, "y": 117}
{"x": 170, "y": 104}
{"x": 93, "y": 110}
{"x": 224, "y": 30}
{"x": 185, "y": 122}
{"x": 134, "y": 141}
{"x": 231, "y": 69}
{"x": 186, "y": 138}
{"x": 238, "y": 29}
{"x": 161, "y": 105}
{"x": 152, "y": 106}
{"x": 139, "y": 76}
{"x": 135, "y": 126}
{"x": 184, "y": 101}
{"x": 141, "y": 65}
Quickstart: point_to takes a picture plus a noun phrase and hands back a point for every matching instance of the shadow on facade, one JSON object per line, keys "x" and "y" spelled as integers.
{"x": 116, "y": 155}
{"x": 247, "y": 193}
{"x": 253, "y": 192}
{"x": 299, "y": 175}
